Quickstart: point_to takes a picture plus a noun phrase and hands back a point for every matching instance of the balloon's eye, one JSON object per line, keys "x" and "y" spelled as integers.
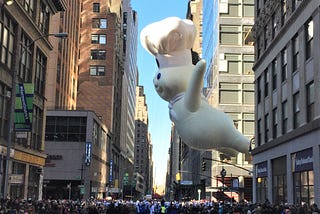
{"x": 158, "y": 76}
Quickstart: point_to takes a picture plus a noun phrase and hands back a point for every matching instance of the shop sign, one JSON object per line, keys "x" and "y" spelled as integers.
{"x": 262, "y": 169}
{"x": 111, "y": 171}
{"x": 16, "y": 179}
{"x": 114, "y": 190}
{"x": 186, "y": 182}
{"x": 88, "y": 153}
{"x": 303, "y": 160}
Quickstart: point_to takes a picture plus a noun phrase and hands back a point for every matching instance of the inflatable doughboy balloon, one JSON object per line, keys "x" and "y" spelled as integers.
{"x": 179, "y": 82}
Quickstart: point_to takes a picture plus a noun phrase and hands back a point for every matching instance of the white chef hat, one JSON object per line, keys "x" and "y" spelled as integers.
{"x": 170, "y": 41}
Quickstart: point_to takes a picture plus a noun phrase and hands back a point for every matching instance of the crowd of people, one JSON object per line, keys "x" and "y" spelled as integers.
{"x": 93, "y": 206}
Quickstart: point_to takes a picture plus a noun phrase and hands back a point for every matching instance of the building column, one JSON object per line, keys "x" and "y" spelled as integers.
{"x": 316, "y": 174}
{"x": 254, "y": 184}
{"x": 270, "y": 186}
{"x": 26, "y": 182}
{"x": 290, "y": 191}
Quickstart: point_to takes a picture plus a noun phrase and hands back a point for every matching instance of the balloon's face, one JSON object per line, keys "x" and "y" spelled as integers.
{"x": 169, "y": 82}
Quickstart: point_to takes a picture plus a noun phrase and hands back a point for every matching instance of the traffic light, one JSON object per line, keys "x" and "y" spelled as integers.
{"x": 203, "y": 167}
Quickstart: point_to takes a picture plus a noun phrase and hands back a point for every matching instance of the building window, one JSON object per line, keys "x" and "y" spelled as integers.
{"x": 4, "y": 112}
{"x": 230, "y": 35}
{"x": 98, "y": 54}
{"x": 37, "y": 122}
{"x": 248, "y": 8}
{"x": 44, "y": 19}
{"x": 229, "y": 93}
{"x": 232, "y": 9}
{"x": 284, "y": 117}
{"x": 274, "y": 74}
{"x": 95, "y": 133}
{"x": 33, "y": 178}
{"x": 275, "y": 123}
{"x": 236, "y": 117}
{"x": 265, "y": 36}
{"x": 248, "y": 93}
{"x": 304, "y": 187}
{"x": 28, "y": 6}
{"x": 258, "y": 47}
{"x": 296, "y": 110}
{"x": 259, "y": 143}
{"x": 309, "y": 38}
{"x": 262, "y": 188}
{"x": 248, "y": 124}
{"x": 310, "y": 101}
{"x": 259, "y": 90}
{"x": 295, "y": 53}
{"x": 18, "y": 168}
{"x": 247, "y": 35}
{"x": 295, "y": 4}
{"x": 279, "y": 187}
{"x": 99, "y": 39}
{"x": 267, "y": 128}
{"x": 96, "y": 7}
{"x": 266, "y": 82}
{"x": 257, "y": 2}
{"x": 24, "y": 71}
{"x": 247, "y": 63}
{"x": 125, "y": 19}
{"x": 279, "y": 179}
{"x": 7, "y": 38}
{"x": 99, "y": 23}
{"x": 274, "y": 26}
{"x": 2, "y": 107}
{"x": 40, "y": 76}
{"x": 71, "y": 129}
{"x": 97, "y": 70}
{"x": 234, "y": 63}
{"x": 283, "y": 11}
{"x": 284, "y": 69}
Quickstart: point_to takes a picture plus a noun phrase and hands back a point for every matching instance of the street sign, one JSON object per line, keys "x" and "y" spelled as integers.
{"x": 82, "y": 191}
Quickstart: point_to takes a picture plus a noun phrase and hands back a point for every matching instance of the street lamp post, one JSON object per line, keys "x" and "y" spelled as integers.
{"x": 223, "y": 174}
{"x": 12, "y": 106}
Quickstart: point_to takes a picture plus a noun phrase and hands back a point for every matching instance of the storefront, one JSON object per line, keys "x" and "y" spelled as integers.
{"x": 303, "y": 176}
{"x": 26, "y": 176}
{"x": 262, "y": 181}
{"x": 279, "y": 180}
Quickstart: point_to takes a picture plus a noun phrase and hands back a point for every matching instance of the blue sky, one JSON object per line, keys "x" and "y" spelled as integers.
{"x": 150, "y": 11}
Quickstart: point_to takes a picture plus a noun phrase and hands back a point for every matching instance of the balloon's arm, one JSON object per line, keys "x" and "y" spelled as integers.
{"x": 192, "y": 97}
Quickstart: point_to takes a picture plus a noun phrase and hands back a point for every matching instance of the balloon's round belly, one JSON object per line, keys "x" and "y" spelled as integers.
{"x": 202, "y": 132}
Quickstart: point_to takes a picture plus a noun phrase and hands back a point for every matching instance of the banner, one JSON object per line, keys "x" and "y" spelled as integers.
{"x": 262, "y": 169}
{"x": 303, "y": 160}
{"x": 23, "y": 107}
{"x": 88, "y": 153}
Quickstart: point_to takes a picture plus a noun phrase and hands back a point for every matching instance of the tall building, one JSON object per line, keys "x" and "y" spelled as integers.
{"x": 143, "y": 147}
{"x": 286, "y": 154}
{"x": 25, "y": 59}
{"x": 229, "y": 86}
{"x": 101, "y": 70}
{"x": 174, "y": 174}
{"x": 130, "y": 76}
{"x": 76, "y": 149}
{"x": 62, "y": 76}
